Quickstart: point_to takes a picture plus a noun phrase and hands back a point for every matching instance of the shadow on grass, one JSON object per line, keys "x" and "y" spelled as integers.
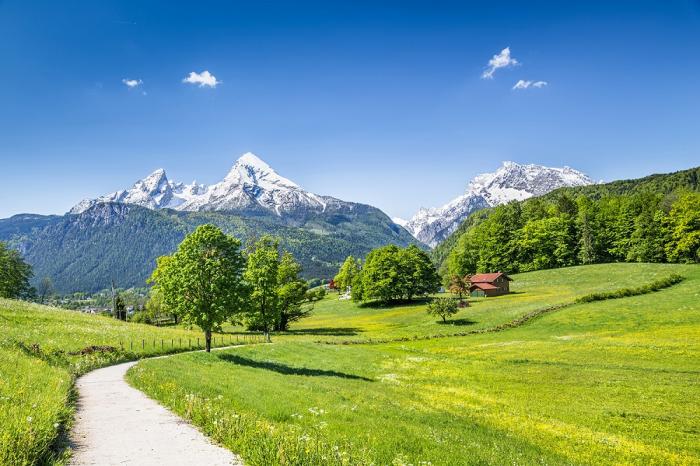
{"x": 287, "y": 370}
{"x": 457, "y": 322}
{"x": 396, "y": 303}
{"x": 327, "y": 331}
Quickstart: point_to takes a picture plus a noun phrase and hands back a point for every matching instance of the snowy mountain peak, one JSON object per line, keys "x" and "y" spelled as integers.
{"x": 511, "y": 181}
{"x": 251, "y": 170}
{"x": 250, "y": 184}
{"x": 252, "y": 160}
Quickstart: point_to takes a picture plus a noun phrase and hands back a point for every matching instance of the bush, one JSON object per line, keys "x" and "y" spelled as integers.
{"x": 625, "y": 292}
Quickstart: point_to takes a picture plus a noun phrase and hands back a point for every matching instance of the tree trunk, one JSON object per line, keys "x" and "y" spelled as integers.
{"x": 444, "y": 319}
{"x": 207, "y": 338}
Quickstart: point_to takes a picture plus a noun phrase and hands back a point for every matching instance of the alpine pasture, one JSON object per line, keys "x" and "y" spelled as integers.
{"x": 42, "y": 350}
{"x": 606, "y": 382}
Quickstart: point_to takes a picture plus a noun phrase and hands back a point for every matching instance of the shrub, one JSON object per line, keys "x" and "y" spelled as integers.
{"x": 625, "y": 292}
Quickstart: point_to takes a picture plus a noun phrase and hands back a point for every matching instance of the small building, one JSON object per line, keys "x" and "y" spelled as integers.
{"x": 489, "y": 284}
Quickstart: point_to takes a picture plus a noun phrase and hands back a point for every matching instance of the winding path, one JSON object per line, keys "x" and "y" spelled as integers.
{"x": 115, "y": 424}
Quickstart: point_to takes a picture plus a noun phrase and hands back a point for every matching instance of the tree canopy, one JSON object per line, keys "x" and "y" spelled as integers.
{"x": 15, "y": 274}
{"x": 262, "y": 274}
{"x": 559, "y": 231}
{"x": 392, "y": 274}
{"x": 203, "y": 280}
{"x": 347, "y": 273}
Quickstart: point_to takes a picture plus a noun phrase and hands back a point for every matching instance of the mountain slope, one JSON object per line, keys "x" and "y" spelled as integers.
{"x": 510, "y": 182}
{"x": 84, "y": 252}
{"x": 662, "y": 184}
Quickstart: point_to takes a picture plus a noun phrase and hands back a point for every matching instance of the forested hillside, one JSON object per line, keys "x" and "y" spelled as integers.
{"x": 653, "y": 219}
{"x": 85, "y": 252}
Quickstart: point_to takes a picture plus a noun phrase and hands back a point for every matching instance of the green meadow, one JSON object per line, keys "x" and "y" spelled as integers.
{"x": 607, "y": 382}
{"x": 42, "y": 350}
{"x": 338, "y": 321}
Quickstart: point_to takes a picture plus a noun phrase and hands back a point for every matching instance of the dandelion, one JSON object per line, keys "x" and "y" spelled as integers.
{"x": 29, "y": 419}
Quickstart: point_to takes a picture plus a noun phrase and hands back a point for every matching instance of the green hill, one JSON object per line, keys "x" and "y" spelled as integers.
{"x": 563, "y": 388}
{"x": 626, "y": 220}
{"x": 606, "y": 382}
{"x": 42, "y": 349}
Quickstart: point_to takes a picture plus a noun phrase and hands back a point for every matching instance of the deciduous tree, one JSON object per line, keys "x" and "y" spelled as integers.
{"x": 443, "y": 308}
{"x": 203, "y": 280}
{"x": 14, "y": 274}
{"x": 262, "y": 274}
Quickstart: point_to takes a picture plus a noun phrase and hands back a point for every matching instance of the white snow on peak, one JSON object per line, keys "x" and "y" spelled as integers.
{"x": 511, "y": 181}
{"x": 250, "y": 184}
{"x": 399, "y": 221}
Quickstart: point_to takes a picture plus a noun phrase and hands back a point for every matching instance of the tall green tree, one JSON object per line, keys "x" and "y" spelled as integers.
{"x": 262, "y": 274}
{"x": 292, "y": 293}
{"x": 203, "y": 280}
{"x": 417, "y": 272}
{"x": 684, "y": 229}
{"x": 15, "y": 274}
{"x": 393, "y": 274}
{"x": 347, "y": 273}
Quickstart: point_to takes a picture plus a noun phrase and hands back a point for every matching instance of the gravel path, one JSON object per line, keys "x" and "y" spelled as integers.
{"x": 117, "y": 424}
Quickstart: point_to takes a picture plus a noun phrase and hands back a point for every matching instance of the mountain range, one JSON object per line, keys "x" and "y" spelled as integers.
{"x": 510, "y": 182}
{"x": 119, "y": 235}
{"x": 250, "y": 185}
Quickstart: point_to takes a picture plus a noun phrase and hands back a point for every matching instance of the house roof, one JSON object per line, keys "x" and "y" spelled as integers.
{"x": 483, "y": 286}
{"x": 487, "y": 277}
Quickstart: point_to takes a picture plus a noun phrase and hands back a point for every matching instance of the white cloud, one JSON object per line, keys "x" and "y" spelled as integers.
{"x": 131, "y": 83}
{"x": 502, "y": 60}
{"x": 523, "y": 84}
{"x": 202, "y": 79}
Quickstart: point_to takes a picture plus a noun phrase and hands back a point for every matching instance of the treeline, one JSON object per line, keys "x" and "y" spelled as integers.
{"x": 564, "y": 229}
{"x": 661, "y": 184}
{"x": 389, "y": 274}
{"x": 211, "y": 279}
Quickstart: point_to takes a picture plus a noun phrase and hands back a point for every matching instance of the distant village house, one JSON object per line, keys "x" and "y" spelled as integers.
{"x": 489, "y": 284}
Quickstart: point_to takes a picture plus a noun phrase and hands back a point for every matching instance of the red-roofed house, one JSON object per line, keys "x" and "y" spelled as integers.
{"x": 489, "y": 284}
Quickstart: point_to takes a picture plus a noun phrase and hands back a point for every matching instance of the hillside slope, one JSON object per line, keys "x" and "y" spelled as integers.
{"x": 562, "y": 389}
{"x": 661, "y": 184}
{"x": 84, "y": 252}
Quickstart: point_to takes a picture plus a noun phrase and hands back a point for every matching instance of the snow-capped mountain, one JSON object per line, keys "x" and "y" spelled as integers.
{"x": 251, "y": 184}
{"x": 510, "y": 182}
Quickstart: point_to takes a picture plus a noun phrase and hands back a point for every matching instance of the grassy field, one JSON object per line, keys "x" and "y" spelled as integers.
{"x": 335, "y": 320}
{"x": 609, "y": 382}
{"x": 37, "y": 369}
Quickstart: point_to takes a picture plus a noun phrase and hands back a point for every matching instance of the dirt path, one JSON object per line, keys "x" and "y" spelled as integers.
{"x": 115, "y": 424}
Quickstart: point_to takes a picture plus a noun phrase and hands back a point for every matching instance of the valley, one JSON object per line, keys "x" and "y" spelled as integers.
{"x": 481, "y": 398}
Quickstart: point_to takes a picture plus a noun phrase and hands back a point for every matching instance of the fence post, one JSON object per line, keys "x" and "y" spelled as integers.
{"x": 197, "y": 342}
{"x": 131, "y": 345}
{"x": 143, "y": 344}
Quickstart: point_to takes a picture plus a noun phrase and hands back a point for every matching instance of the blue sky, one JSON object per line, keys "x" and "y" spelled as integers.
{"x": 383, "y": 103}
